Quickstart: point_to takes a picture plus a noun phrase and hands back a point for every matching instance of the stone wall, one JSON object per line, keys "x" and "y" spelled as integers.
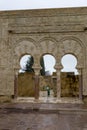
{"x": 69, "y": 84}
{"x": 26, "y": 87}
{"x": 48, "y": 81}
{"x": 37, "y": 32}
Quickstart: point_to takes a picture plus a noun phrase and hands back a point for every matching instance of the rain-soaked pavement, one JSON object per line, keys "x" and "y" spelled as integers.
{"x": 43, "y": 116}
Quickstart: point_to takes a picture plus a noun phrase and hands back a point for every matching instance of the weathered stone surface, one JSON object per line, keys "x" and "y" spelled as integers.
{"x": 69, "y": 84}
{"x": 38, "y": 32}
{"x": 25, "y": 116}
{"x": 26, "y": 87}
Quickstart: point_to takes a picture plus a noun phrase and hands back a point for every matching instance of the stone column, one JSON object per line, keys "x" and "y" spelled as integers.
{"x": 80, "y": 84}
{"x": 36, "y": 79}
{"x": 16, "y": 83}
{"x": 58, "y": 71}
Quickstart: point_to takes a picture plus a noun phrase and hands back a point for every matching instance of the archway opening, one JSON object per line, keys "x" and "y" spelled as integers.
{"x": 25, "y": 77}
{"x": 47, "y": 63}
{"x": 48, "y": 86}
{"x": 26, "y": 63}
{"x": 69, "y": 63}
{"x": 69, "y": 76}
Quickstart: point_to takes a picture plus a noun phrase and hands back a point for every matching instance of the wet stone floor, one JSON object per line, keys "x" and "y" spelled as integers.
{"x": 23, "y": 117}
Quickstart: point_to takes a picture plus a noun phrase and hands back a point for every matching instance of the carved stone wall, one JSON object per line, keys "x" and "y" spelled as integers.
{"x": 38, "y": 32}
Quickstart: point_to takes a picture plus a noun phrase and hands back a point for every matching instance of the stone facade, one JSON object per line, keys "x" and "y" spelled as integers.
{"x": 37, "y": 32}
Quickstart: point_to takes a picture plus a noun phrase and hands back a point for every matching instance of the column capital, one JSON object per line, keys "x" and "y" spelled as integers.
{"x": 58, "y": 67}
{"x": 37, "y": 70}
{"x": 80, "y": 70}
{"x": 16, "y": 71}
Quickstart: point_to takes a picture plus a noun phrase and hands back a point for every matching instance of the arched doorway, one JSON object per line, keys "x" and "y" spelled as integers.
{"x": 69, "y": 76}
{"x": 25, "y": 77}
{"x": 48, "y": 86}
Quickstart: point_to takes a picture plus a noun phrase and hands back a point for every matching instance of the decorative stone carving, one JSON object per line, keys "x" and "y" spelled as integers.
{"x": 37, "y": 32}
{"x": 48, "y": 45}
{"x": 70, "y": 46}
{"x": 24, "y": 47}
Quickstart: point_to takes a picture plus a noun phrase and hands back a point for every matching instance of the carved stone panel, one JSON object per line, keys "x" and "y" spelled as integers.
{"x": 70, "y": 46}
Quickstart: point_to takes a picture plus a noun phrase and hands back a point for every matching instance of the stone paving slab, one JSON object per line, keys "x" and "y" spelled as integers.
{"x": 29, "y": 116}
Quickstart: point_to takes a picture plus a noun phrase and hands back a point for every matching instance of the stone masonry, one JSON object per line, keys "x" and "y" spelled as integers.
{"x": 38, "y": 32}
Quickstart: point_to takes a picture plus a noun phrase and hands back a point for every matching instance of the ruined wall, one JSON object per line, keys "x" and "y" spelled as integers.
{"x": 38, "y": 32}
{"x": 26, "y": 87}
{"x": 69, "y": 84}
{"x": 48, "y": 81}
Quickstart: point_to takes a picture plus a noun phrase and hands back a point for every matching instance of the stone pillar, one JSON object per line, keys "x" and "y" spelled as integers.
{"x": 58, "y": 71}
{"x": 16, "y": 83}
{"x": 36, "y": 79}
{"x": 80, "y": 84}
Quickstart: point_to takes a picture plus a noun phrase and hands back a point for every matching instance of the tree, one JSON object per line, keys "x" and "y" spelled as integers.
{"x": 29, "y": 65}
{"x": 42, "y": 71}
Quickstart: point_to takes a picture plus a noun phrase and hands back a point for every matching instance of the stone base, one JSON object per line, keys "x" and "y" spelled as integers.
{"x": 4, "y": 99}
{"x": 49, "y": 100}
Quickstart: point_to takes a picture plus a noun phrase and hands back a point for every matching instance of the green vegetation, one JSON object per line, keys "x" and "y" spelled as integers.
{"x": 29, "y": 65}
{"x": 42, "y": 71}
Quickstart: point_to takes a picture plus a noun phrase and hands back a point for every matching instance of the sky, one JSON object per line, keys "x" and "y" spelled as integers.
{"x": 68, "y": 62}
{"x": 38, "y": 4}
